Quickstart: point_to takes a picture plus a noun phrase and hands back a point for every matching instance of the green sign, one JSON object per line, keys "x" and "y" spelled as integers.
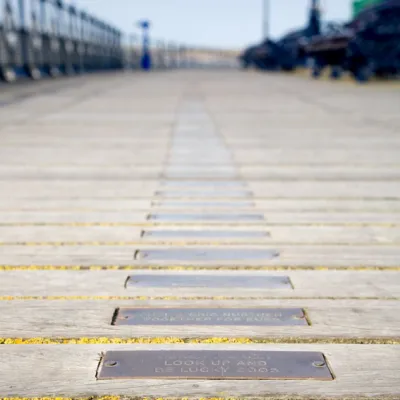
{"x": 359, "y": 5}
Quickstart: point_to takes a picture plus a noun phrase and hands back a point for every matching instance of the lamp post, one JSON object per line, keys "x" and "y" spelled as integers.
{"x": 146, "y": 54}
{"x": 265, "y": 18}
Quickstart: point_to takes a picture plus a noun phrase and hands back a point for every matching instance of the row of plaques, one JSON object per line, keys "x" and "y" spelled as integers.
{"x": 207, "y": 364}
{"x": 210, "y": 364}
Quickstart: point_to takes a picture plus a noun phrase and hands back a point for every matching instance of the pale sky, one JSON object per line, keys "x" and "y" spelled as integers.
{"x": 214, "y": 23}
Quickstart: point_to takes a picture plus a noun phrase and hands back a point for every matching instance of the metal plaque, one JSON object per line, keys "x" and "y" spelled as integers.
{"x": 209, "y": 281}
{"x": 204, "y": 234}
{"x": 208, "y": 185}
{"x": 203, "y": 204}
{"x": 214, "y": 364}
{"x": 201, "y": 194}
{"x": 200, "y": 175}
{"x": 166, "y": 217}
{"x": 211, "y": 316}
{"x": 209, "y": 254}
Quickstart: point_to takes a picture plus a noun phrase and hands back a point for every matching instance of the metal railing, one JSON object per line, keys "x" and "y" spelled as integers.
{"x": 47, "y": 37}
{"x": 40, "y": 38}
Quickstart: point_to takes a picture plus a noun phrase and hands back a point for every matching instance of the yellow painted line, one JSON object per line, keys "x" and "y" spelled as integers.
{"x": 194, "y": 268}
{"x": 94, "y": 398}
{"x": 273, "y": 397}
{"x": 179, "y": 298}
{"x": 203, "y": 340}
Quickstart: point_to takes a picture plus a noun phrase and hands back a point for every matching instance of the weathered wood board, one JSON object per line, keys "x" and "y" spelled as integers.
{"x": 328, "y": 319}
{"x": 72, "y": 369}
{"x": 94, "y": 253}
{"x": 313, "y": 284}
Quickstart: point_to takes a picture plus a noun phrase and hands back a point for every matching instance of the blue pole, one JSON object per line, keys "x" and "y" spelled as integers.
{"x": 146, "y": 55}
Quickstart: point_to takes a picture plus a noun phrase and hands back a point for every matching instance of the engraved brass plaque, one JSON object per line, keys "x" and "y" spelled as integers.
{"x": 203, "y": 204}
{"x": 204, "y": 234}
{"x": 208, "y": 254}
{"x": 214, "y": 364}
{"x": 209, "y": 281}
{"x": 205, "y": 185}
{"x": 226, "y": 193}
{"x": 166, "y": 217}
{"x": 211, "y": 316}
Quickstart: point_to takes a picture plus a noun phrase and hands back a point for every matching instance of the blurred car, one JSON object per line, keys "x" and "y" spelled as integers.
{"x": 367, "y": 46}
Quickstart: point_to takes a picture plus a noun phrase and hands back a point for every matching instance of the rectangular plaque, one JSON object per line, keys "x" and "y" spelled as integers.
{"x": 211, "y": 316}
{"x": 210, "y": 281}
{"x": 201, "y": 194}
{"x": 204, "y": 234}
{"x": 203, "y": 204}
{"x": 200, "y": 175}
{"x": 208, "y": 254}
{"x": 214, "y": 364}
{"x": 204, "y": 185}
{"x": 167, "y": 217}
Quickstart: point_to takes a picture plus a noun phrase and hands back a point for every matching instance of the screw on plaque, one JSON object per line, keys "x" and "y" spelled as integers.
{"x": 318, "y": 364}
{"x": 111, "y": 364}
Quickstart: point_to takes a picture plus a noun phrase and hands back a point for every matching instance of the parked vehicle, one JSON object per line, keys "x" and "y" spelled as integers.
{"x": 367, "y": 46}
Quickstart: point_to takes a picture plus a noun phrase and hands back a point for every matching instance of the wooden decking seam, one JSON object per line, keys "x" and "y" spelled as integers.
{"x": 193, "y": 340}
{"x": 193, "y": 268}
{"x": 265, "y": 397}
{"x": 205, "y": 222}
{"x": 199, "y": 243}
{"x": 190, "y": 298}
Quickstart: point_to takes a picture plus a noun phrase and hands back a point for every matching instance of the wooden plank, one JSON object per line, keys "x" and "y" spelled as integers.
{"x": 335, "y": 256}
{"x": 286, "y": 189}
{"x": 311, "y": 284}
{"x": 329, "y": 319}
{"x": 279, "y": 173}
{"x": 57, "y": 214}
{"x": 328, "y": 208}
{"x": 359, "y": 371}
{"x": 71, "y": 206}
{"x": 82, "y": 189}
{"x": 279, "y": 235}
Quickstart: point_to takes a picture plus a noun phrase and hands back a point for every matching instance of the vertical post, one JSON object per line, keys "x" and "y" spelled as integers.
{"x": 23, "y": 34}
{"x": 43, "y": 16}
{"x": 22, "y": 22}
{"x": 146, "y": 55}
{"x": 132, "y": 53}
{"x": 314, "y": 22}
{"x": 82, "y": 41}
{"x": 266, "y": 18}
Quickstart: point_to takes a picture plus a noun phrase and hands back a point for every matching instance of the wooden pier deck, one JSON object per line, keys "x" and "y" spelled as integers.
{"x": 181, "y": 192}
